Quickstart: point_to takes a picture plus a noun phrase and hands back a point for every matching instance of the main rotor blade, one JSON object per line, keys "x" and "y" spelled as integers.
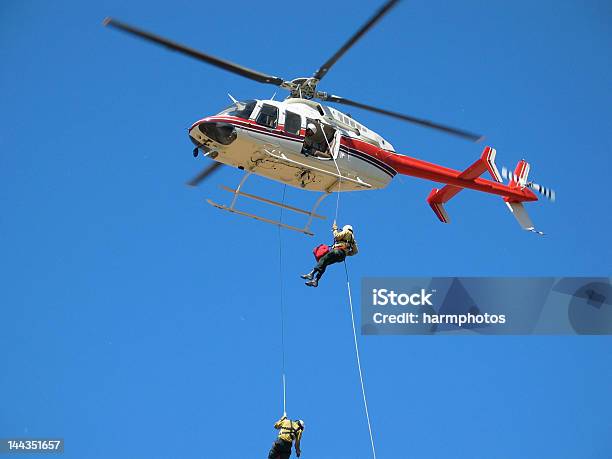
{"x": 205, "y": 173}
{"x": 221, "y": 63}
{"x": 411, "y": 119}
{"x": 367, "y": 26}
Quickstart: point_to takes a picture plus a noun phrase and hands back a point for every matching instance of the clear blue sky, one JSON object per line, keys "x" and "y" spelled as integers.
{"x": 136, "y": 321}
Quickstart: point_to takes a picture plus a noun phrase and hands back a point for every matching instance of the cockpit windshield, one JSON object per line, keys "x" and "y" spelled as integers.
{"x": 240, "y": 109}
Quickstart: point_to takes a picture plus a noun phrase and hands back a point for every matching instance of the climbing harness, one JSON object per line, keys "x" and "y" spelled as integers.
{"x": 288, "y": 429}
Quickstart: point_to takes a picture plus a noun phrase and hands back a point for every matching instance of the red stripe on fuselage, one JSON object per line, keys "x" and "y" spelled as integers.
{"x": 359, "y": 146}
{"x": 253, "y": 125}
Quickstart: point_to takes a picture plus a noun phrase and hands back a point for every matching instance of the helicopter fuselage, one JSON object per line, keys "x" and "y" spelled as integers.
{"x": 266, "y": 137}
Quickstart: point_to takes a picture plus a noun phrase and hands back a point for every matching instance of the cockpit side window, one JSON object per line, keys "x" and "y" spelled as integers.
{"x": 240, "y": 109}
{"x": 293, "y": 122}
{"x": 268, "y": 116}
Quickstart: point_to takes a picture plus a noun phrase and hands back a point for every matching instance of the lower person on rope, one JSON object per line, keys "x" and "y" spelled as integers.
{"x": 289, "y": 431}
{"x": 344, "y": 245}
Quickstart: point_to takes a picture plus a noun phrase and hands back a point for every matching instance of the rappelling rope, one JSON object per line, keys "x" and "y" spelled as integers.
{"x": 363, "y": 392}
{"x": 339, "y": 174}
{"x": 337, "y": 195}
{"x": 282, "y": 308}
{"x": 348, "y": 287}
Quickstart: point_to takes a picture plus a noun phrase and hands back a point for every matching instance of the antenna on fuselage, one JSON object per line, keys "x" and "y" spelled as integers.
{"x": 232, "y": 97}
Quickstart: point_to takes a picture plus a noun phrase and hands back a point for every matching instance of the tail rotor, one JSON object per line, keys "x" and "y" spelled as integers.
{"x": 548, "y": 193}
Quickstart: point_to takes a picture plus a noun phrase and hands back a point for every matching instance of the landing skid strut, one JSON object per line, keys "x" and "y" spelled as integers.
{"x": 237, "y": 192}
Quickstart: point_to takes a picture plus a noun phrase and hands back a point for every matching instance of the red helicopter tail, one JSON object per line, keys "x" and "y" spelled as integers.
{"x": 438, "y": 197}
{"x": 517, "y": 181}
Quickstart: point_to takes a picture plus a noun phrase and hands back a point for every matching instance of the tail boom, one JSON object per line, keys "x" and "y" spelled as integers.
{"x": 461, "y": 179}
{"x": 513, "y": 194}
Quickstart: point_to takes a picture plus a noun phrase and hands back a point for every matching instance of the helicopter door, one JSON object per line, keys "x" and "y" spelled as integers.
{"x": 293, "y": 123}
{"x": 329, "y": 145}
{"x": 335, "y": 144}
{"x": 321, "y": 143}
{"x": 267, "y": 117}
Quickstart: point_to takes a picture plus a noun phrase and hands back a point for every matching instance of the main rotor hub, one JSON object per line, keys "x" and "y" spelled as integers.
{"x": 303, "y": 88}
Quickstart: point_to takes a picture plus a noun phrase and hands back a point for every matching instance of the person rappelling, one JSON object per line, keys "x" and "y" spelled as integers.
{"x": 289, "y": 431}
{"x": 344, "y": 245}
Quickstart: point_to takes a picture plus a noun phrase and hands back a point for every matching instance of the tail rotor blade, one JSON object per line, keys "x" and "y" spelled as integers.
{"x": 506, "y": 174}
{"x": 548, "y": 193}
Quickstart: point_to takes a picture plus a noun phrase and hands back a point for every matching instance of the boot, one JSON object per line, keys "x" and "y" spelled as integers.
{"x": 308, "y": 276}
{"x": 313, "y": 283}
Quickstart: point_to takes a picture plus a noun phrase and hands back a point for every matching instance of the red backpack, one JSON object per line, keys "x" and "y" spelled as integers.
{"x": 320, "y": 250}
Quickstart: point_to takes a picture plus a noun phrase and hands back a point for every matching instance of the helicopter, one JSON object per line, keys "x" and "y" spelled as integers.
{"x": 269, "y": 138}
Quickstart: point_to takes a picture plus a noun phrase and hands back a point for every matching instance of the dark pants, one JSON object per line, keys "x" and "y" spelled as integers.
{"x": 331, "y": 257}
{"x": 281, "y": 449}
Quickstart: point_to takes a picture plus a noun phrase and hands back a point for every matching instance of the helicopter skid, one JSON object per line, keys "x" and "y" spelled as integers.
{"x": 237, "y": 192}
